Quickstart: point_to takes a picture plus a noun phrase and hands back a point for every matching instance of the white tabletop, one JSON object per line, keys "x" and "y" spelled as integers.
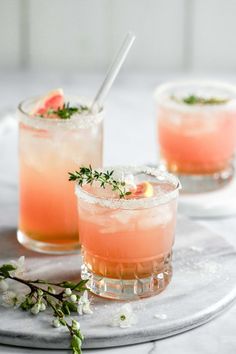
{"x": 129, "y": 138}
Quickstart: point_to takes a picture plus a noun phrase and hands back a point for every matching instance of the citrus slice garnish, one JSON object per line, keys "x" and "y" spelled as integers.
{"x": 142, "y": 190}
{"x": 50, "y": 102}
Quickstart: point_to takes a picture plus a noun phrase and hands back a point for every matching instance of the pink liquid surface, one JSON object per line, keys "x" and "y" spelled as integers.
{"x": 197, "y": 142}
{"x": 48, "y": 210}
{"x": 124, "y": 244}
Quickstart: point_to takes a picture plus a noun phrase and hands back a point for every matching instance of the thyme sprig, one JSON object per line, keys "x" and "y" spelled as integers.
{"x": 193, "y": 99}
{"x": 63, "y": 298}
{"x": 86, "y": 175}
{"x": 66, "y": 111}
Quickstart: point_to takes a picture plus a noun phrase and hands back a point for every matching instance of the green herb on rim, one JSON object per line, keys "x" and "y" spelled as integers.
{"x": 86, "y": 175}
{"x": 198, "y": 100}
{"x": 67, "y": 111}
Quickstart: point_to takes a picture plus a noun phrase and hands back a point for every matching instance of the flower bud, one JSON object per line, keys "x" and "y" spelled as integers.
{"x": 42, "y": 306}
{"x": 51, "y": 290}
{"x": 73, "y": 298}
{"x": 75, "y": 325}
{"x": 68, "y": 291}
{"x": 35, "y": 309}
{"x": 56, "y": 323}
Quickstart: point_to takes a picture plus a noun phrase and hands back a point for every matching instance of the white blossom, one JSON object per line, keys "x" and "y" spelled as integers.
{"x": 56, "y": 323}
{"x": 19, "y": 265}
{"x": 84, "y": 304}
{"x": 3, "y": 285}
{"x": 124, "y": 317}
{"x": 11, "y": 299}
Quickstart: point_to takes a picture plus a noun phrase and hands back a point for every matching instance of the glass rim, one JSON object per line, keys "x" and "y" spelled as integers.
{"x": 80, "y": 120}
{"x": 163, "y": 88}
{"x": 140, "y": 203}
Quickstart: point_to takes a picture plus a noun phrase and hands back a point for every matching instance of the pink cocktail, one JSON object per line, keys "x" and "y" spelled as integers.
{"x": 127, "y": 243}
{"x": 48, "y": 148}
{"x": 197, "y": 132}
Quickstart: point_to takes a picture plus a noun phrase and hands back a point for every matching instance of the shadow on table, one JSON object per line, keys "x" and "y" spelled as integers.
{"x": 59, "y": 267}
{"x": 9, "y": 246}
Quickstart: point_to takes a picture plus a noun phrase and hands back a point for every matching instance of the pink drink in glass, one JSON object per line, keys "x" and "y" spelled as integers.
{"x": 127, "y": 244}
{"x": 197, "y": 141}
{"x": 48, "y": 149}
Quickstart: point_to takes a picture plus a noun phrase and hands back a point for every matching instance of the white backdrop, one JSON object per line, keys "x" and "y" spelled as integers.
{"x": 172, "y": 35}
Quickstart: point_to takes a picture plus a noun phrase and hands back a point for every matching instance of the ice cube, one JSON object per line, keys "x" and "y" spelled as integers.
{"x": 155, "y": 217}
{"x": 129, "y": 181}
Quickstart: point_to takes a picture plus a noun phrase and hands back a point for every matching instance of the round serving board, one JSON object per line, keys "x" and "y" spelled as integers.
{"x": 216, "y": 204}
{"x": 203, "y": 285}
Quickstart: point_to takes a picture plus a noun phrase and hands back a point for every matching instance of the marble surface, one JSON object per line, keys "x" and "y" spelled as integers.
{"x": 130, "y": 104}
{"x": 203, "y": 285}
{"x": 215, "y": 204}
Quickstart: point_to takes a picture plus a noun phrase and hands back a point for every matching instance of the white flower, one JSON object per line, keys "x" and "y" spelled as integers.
{"x": 12, "y": 299}
{"x": 124, "y": 317}
{"x": 35, "y": 309}
{"x": 56, "y": 323}
{"x": 3, "y": 285}
{"x": 68, "y": 291}
{"x": 19, "y": 265}
{"x": 84, "y": 304}
{"x": 73, "y": 298}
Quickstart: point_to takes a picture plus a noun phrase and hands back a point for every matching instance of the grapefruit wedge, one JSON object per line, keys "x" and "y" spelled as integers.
{"x": 52, "y": 101}
{"x": 142, "y": 190}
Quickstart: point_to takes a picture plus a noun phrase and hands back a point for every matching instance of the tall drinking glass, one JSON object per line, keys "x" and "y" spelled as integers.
{"x": 127, "y": 243}
{"x": 48, "y": 149}
{"x": 197, "y": 132}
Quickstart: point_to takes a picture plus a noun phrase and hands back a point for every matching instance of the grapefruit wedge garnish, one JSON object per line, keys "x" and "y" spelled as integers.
{"x": 142, "y": 190}
{"x": 50, "y": 102}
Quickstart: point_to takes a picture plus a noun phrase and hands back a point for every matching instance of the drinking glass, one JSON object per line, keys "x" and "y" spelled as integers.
{"x": 48, "y": 149}
{"x": 127, "y": 243}
{"x": 197, "y": 132}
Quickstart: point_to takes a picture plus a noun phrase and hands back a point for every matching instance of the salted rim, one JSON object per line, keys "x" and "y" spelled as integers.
{"x": 82, "y": 121}
{"x": 141, "y": 203}
{"x": 163, "y": 98}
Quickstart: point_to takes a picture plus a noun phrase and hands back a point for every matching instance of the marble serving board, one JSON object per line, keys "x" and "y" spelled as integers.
{"x": 215, "y": 204}
{"x": 203, "y": 285}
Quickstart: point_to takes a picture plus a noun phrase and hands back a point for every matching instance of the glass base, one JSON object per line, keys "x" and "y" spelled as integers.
{"x": 127, "y": 289}
{"x": 206, "y": 182}
{"x": 43, "y": 247}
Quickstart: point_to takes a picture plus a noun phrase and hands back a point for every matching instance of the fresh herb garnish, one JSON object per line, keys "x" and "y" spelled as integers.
{"x": 86, "y": 175}
{"x": 192, "y": 100}
{"x": 66, "y": 111}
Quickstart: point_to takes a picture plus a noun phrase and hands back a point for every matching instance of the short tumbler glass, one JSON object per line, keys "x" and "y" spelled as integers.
{"x": 197, "y": 132}
{"x": 127, "y": 243}
{"x": 48, "y": 149}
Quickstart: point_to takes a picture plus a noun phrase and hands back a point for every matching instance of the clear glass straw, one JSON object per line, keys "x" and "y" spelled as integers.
{"x": 114, "y": 70}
